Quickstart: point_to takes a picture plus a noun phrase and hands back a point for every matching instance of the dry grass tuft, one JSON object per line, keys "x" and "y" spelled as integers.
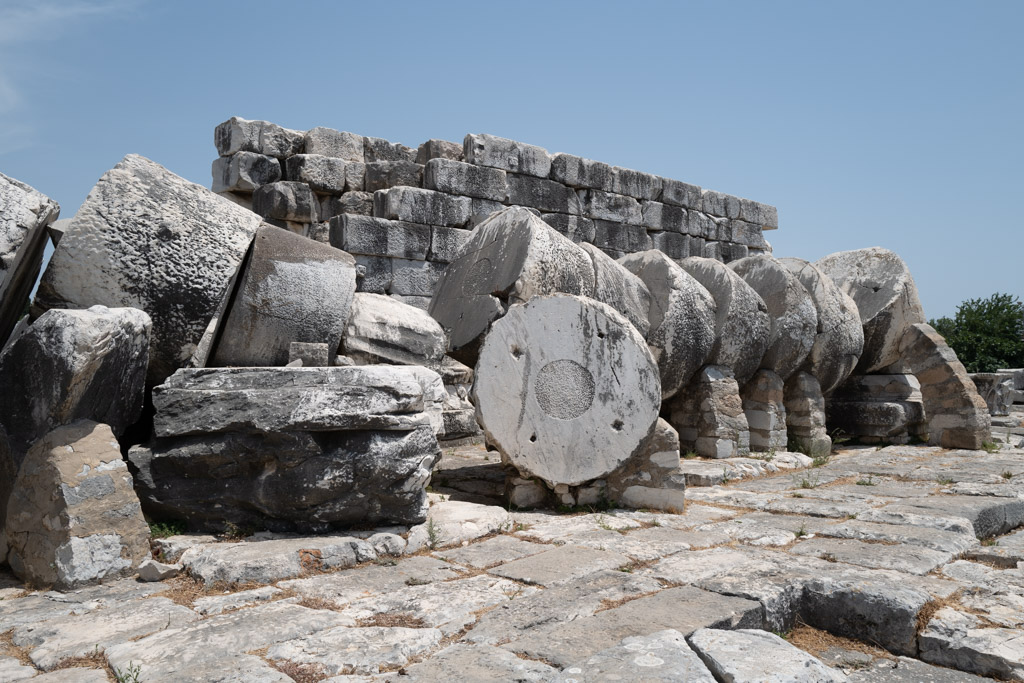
{"x": 183, "y": 589}
{"x": 93, "y": 660}
{"x": 934, "y": 605}
{"x": 816, "y": 641}
{"x": 9, "y": 649}
{"x": 609, "y": 603}
{"x": 316, "y": 602}
{"x": 392, "y": 620}
{"x": 300, "y": 673}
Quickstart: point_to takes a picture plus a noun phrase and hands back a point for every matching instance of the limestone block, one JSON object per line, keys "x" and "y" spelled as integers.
{"x": 286, "y": 201}
{"x": 509, "y": 258}
{"x": 455, "y": 177}
{"x": 682, "y": 318}
{"x": 839, "y": 341}
{"x": 373, "y": 274}
{"x": 673, "y": 245}
{"x": 680, "y": 194}
{"x": 71, "y": 365}
{"x": 635, "y": 183}
{"x": 701, "y": 225}
{"x": 749, "y": 655}
{"x": 764, "y": 216}
{"x": 609, "y": 235}
{"x": 655, "y": 466}
{"x": 379, "y": 149}
{"x": 383, "y": 330}
{"x": 576, "y": 228}
{"x": 416, "y": 205}
{"x": 73, "y": 517}
{"x": 482, "y": 209}
{"x": 582, "y": 173}
{"x": 24, "y": 216}
{"x": 889, "y": 421}
{"x": 996, "y": 389}
{"x": 446, "y": 244}
{"x": 331, "y": 143}
{"x": 620, "y": 289}
{"x": 880, "y": 284}
{"x": 415, "y": 278}
{"x": 542, "y": 194}
{"x": 380, "y": 237}
{"x": 244, "y": 172}
{"x": 658, "y": 216}
{"x": 355, "y": 176}
{"x": 508, "y": 155}
{"x": 310, "y": 354}
{"x": 584, "y": 382}
{"x": 241, "y": 135}
{"x": 709, "y": 415}
{"x": 805, "y": 416}
{"x": 438, "y": 149}
{"x": 324, "y": 174}
{"x": 735, "y": 252}
{"x": 422, "y": 302}
{"x": 792, "y": 311}
{"x": 742, "y": 323}
{"x": 360, "y": 203}
{"x": 764, "y": 405}
{"x": 610, "y": 207}
{"x": 720, "y": 204}
{"x": 291, "y": 289}
{"x": 660, "y": 656}
{"x": 381, "y": 175}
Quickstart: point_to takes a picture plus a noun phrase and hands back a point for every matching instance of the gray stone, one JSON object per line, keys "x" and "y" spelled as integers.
{"x": 190, "y": 241}
{"x": 286, "y": 201}
{"x": 509, "y": 258}
{"x": 438, "y": 149}
{"x": 492, "y": 552}
{"x": 380, "y": 237}
{"x": 216, "y": 604}
{"x": 271, "y": 560}
{"x": 720, "y": 204}
{"x": 560, "y": 565}
{"x": 674, "y": 245}
{"x": 11, "y": 669}
{"x": 762, "y": 215}
{"x": 907, "y": 670}
{"x": 620, "y": 289}
{"x": 310, "y": 354}
{"x": 805, "y": 416}
{"x": 880, "y": 284}
{"x": 381, "y": 329}
{"x": 709, "y": 417}
{"x": 416, "y": 205}
{"x": 635, "y": 183}
{"x": 990, "y": 516}
{"x": 747, "y": 235}
{"x": 415, "y": 278}
{"x": 381, "y": 175}
{"x": 420, "y": 301}
{"x": 352, "y": 202}
{"x": 610, "y": 207}
{"x": 764, "y": 406}
{"x": 904, "y": 558}
{"x": 446, "y": 244}
{"x": 72, "y": 365}
{"x": 351, "y": 585}
{"x": 542, "y": 194}
{"x": 568, "y": 362}
{"x": 682, "y": 317}
{"x": 612, "y": 236}
{"x": 961, "y": 641}
{"x": 73, "y": 518}
{"x": 151, "y": 570}
{"x": 752, "y": 656}
{"x": 373, "y": 274}
{"x": 680, "y": 194}
{"x": 483, "y": 209}
{"x": 659, "y": 657}
{"x": 456, "y": 522}
{"x": 508, "y": 155}
{"x": 332, "y": 143}
{"x": 367, "y": 650}
{"x": 379, "y": 149}
{"x": 240, "y": 135}
{"x": 291, "y": 289}
{"x": 996, "y": 389}
{"x": 244, "y": 172}
{"x": 324, "y": 174}
{"x": 479, "y": 663}
{"x": 468, "y": 180}
{"x": 658, "y": 216}
{"x": 935, "y": 539}
{"x": 582, "y": 173}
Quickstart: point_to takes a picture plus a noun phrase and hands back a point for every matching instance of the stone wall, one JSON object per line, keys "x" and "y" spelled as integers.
{"x": 404, "y": 213}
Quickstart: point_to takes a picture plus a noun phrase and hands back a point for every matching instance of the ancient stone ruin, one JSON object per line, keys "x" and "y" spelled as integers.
{"x": 292, "y": 353}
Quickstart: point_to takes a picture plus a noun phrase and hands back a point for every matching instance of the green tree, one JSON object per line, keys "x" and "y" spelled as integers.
{"x": 987, "y": 334}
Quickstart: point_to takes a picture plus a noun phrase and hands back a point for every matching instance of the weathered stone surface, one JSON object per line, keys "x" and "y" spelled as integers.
{"x": 658, "y": 216}
{"x": 508, "y": 155}
{"x": 560, "y": 565}
{"x": 961, "y": 641}
{"x": 742, "y": 323}
{"x": 480, "y": 663}
{"x": 583, "y": 379}
{"x": 324, "y": 174}
{"x": 380, "y": 237}
{"x": 661, "y": 656}
{"x": 767, "y": 217}
{"x": 151, "y": 570}
{"x": 682, "y": 317}
{"x": 579, "y": 172}
{"x": 878, "y": 407}
{"x": 11, "y": 669}
{"x": 620, "y": 289}
{"x": 241, "y": 135}
{"x": 155, "y": 242}
{"x": 446, "y": 244}
{"x": 468, "y": 180}
{"x": 805, "y": 415}
{"x": 903, "y": 558}
{"x": 749, "y": 655}
{"x": 332, "y": 143}
{"x": 720, "y": 204}
{"x": 635, "y": 183}
{"x": 381, "y": 175}
{"x": 609, "y": 206}
{"x": 358, "y": 650}
{"x": 379, "y": 149}
{"x": 351, "y": 202}
{"x": 286, "y": 201}
{"x": 416, "y": 205}
{"x": 373, "y": 274}
{"x": 542, "y": 194}
{"x": 381, "y": 329}
{"x": 492, "y": 552}
{"x": 509, "y": 258}
{"x": 72, "y": 365}
{"x": 438, "y": 149}
{"x": 840, "y": 336}
{"x": 680, "y": 194}
{"x": 709, "y": 415}
{"x": 244, "y": 172}
{"x": 880, "y": 284}
{"x": 455, "y": 522}
{"x": 764, "y": 406}
{"x": 411, "y": 279}
{"x": 310, "y": 354}
{"x": 292, "y": 289}
{"x": 793, "y": 315}
{"x": 618, "y": 239}
{"x": 996, "y": 389}
{"x": 216, "y": 604}
{"x": 73, "y": 518}
{"x": 267, "y": 560}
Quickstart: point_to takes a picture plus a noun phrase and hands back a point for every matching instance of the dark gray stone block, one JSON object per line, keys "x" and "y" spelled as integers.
{"x": 380, "y": 237}
{"x": 325, "y": 175}
{"x": 381, "y": 175}
{"x": 455, "y": 177}
{"x": 621, "y": 237}
{"x": 542, "y": 194}
{"x": 416, "y": 205}
{"x": 244, "y": 172}
{"x": 610, "y": 207}
{"x": 379, "y": 149}
{"x": 286, "y": 201}
{"x": 582, "y": 173}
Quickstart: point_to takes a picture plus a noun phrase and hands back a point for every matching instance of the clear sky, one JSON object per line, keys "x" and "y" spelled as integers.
{"x": 896, "y": 124}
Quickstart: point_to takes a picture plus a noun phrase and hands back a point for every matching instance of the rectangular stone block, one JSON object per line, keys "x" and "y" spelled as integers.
{"x": 734, "y": 252}
{"x": 244, "y": 172}
{"x": 326, "y": 175}
{"x": 607, "y": 206}
{"x": 332, "y": 143}
{"x": 508, "y": 155}
{"x": 379, "y": 149}
{"x": 582, "y": 173}
{"x": 380, "y": 237}
{"x": 635, "y": 183}
{"x": 747, "y": 234}
{"x": 456, "y": 177}
{"x": 286, "y": 201}
{"x": 658, "y": 216}
{"x": 680, "y": 194}
{"x": 414, "y": 278}
{"x": 310, "y": 354}
{"x": 713, "y": 250}
{"x": 446, "y": 243}
{"x": 382, "y": 175}
{"x": 576, "y": 228}
{"x": 542, "y": 194}
{"x": 762, "y": 215}
{"x": 720, "y": 204}
{"x": 241, "y": 135}
{"x": 621, "y": 237}
{"x": 355, "y": 176}
{"x": 700, "y": 225}
{"x": 438, "y": 149}
{"x": 373, "y": 274}
{"x": 672, "y": 243}
{"x": 416, "y": 205}
{"x": 420, "y": 302}
{"x": 723, "y": 229}
{"x": 351, "y": 202}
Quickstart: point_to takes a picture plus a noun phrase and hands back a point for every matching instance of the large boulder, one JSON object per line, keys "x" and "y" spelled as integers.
{"x": 149, "y": 239}
{"x": 510, "y": 257}
{"x": 73, "y": 518}
{"x": 566, "y": 389}
{"x": 682, "y": 318}
{"x": 384, "y": 330}
{"x": 742, "y": 325}
{"x": 880, "y": 284}
{"x": 24, "y": 216}
{"x": 794, "y": 317}
{"x": 840, "y": 338}
{"x": 71, "y": 365}
{"x": 292, "y": 289}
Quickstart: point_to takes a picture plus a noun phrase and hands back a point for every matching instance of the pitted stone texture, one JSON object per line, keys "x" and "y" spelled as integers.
{"x": 379, "y": 149}
{"x": 380, "y": 237}
{"x": 241, "y": 135}
{"x": 383, "y": 330}
{"x": 764, "y": 405}
{"x": 682, "y": 317}
{"x": 286, "y": 201}
{"x": 805, "y": 415}
{"x": 382, "y": 175}
{"x": 620, "y": 289}
{"x": 351, "y": 202}
{"x": 438, "y": 149}
{"x": 749, "y": 655}
{"x": 73, "y": 518}
{"x": 579, "y": 172}
{"x": 324, "y": 174}
{"x": 582, "y": 378}
{"x": 996, "y": 389}
{"x": 468, "y": 180}
{"x": 155, "y": 242}
{"x": 663, "y": 656}
{"x": 840, "y": 337}
{"x": 71, "y": 365}
{"x": 961, "y": 641}
{"x": 635, "y": 183}
{"x": 609, "y": 206}
{"x": 273, "y": 559}
{"x": 742, "y": 324}
{"x": 508, "y": 259}
{"x": 479, "y": 663}
{"x": 709, "y": 415}
{"x": 244, "y": 172}
{"x": 508, "y": 155}
{"x": 793, "y": 315}
{"x": 292, "y": 289}
{"x": 417, "y": 205}
{"x": 880, "y": 283}
{"x": 331, "y": 143}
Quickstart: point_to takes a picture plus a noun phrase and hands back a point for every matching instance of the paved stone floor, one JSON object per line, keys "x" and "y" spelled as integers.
{"x": 902, "y": 563}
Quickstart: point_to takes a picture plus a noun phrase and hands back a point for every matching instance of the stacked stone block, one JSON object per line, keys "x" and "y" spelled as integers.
{"x": 329, "y": 184}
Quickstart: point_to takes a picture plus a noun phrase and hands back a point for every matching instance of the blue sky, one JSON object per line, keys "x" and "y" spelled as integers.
{"x": 895, "y": 124}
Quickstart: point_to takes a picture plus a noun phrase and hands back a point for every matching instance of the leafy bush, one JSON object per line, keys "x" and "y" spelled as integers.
{"x": 987, "y": 334}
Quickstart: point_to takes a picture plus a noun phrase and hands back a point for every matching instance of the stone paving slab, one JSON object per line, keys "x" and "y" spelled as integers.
{"x": 749, "y": 655}
{"x": 560, "y": 565}
{"x": 492, "y": 552}
{"x": 354, "y": 584}
{"x": 662, "y": 656}
{"x": 903, "y": 558}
